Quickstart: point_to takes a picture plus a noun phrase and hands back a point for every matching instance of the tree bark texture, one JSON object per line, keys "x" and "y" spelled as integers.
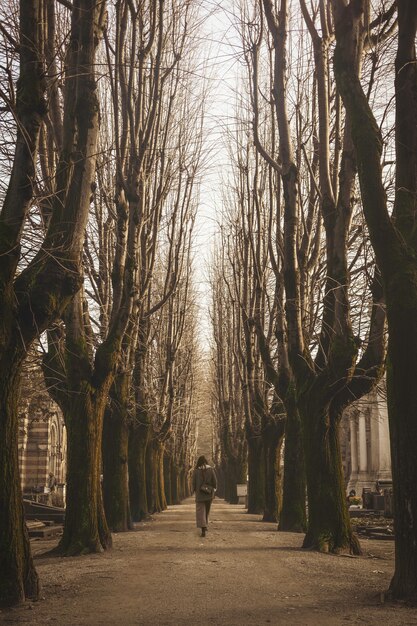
{"x": 184, "y": 487}
{"x": 168, "y": 479}
{"x": 155, "y": 477}
{"x": 256, "y": 484}
{"x": 273, "y": 436}
{"x": 151, "y": 478}
{"x": 160, "y": 474}
{"x": 138, "y": 443}
{"x": 329, "y": 528}
{"x": 115, "y": 465}
{"x": 230, "y": 490}
{"x": 402, "y": 412}
{"x": 293, "y": 516}
{"x": 85, "y": 528}
{"x": 174, "y": 483}
{"x": 18, "y": 577}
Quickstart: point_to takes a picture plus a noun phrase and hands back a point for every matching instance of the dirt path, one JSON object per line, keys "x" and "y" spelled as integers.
{"x": 243, "y": 572}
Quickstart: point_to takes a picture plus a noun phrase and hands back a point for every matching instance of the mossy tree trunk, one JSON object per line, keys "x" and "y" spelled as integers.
{"x": 321, "y": 402}
{"x": 115, "y": 456}
{"x": 293, "y": 517}
{"x": 85, "y": 528}
{"x": 80, "y": 383}
{"x": 329, "y": 528}
{"x": 18, "y": 577}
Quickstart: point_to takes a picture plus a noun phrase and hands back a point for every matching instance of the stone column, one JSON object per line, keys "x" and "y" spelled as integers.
{"x": 363, "y": 456}
{"x": 384, "y": 452}
{"x": 365, "y": 479}
{"x": 23, "y": 442}
{"x": 353, "y": 425}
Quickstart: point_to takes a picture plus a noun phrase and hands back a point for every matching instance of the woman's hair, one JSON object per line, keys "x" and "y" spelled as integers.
{"x": 201, "y": 461}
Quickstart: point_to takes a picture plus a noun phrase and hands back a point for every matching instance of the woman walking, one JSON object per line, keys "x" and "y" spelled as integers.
{"x": 204, "y": 485}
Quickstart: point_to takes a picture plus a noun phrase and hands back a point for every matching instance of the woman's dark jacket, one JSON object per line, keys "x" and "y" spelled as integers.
{"x": 207, "y": 475}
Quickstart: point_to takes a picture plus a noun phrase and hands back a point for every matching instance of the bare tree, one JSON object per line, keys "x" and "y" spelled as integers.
{"x": 393, "y": 239}
{"x": 175, "y": 177}
{"x": 189, "y": 381}
{"x": 36, "y": 295}
{"x": 326, "y": 375}
{"x": 228, "y": 415}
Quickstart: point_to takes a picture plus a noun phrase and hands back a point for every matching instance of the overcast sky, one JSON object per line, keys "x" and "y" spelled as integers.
{"x": 220, "y": 49}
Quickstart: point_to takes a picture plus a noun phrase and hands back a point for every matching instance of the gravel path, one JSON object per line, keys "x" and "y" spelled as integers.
{"x": 243, "y": 572}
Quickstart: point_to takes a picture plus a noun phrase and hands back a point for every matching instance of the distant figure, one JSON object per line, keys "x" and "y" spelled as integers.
{"x": 204, "y": 485}
{"x": 51, "y": 482}
{"x": 352, "y": 494}
{"x": 378, "y": 488}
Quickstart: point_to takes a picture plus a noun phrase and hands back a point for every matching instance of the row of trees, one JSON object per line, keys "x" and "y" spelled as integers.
{"x": 96, "y": 232}
{"x": 298, "y": 300}
{"x": 101, "y": 165}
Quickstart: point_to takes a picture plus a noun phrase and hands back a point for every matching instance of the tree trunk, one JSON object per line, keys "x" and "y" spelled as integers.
{"x": 85, "y": 528}
{"x": 183, "y": 489}
{"x": 402, "y": 411}
{"x": 115, "y": 469}
{"x": 18, "y": 577}
{"x": 256, "y": 485}
{"x": 227, "y": 483}
{"x": 231, "y": 482}
{"x": 293, "y": 513}
{"x": 152, "y": 478}
{"x": 329, "y": 528}
{"x": 160, "y": 483}
{"x": 167, "y": 479}
{"x": 174, "y": 483}
{"x": 394, "y": 242}
{"x": 235, "y": 474}
{"x": 272, "y": 444}
{"x": 138, "y": 443}
{"x": 221, "y": 481}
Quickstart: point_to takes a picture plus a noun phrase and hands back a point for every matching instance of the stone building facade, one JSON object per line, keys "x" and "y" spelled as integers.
{"x": 42, "y": 444}
{"x": 365, "y": 443}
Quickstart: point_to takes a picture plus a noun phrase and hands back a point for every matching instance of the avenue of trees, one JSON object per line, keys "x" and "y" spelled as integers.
{"x": 313, "y": 277}
{"x": 324, "y": 164}
{"x": 96, "y": 259}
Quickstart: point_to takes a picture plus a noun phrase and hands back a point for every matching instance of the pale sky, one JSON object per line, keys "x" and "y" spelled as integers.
{"x": 220, "y": 46}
